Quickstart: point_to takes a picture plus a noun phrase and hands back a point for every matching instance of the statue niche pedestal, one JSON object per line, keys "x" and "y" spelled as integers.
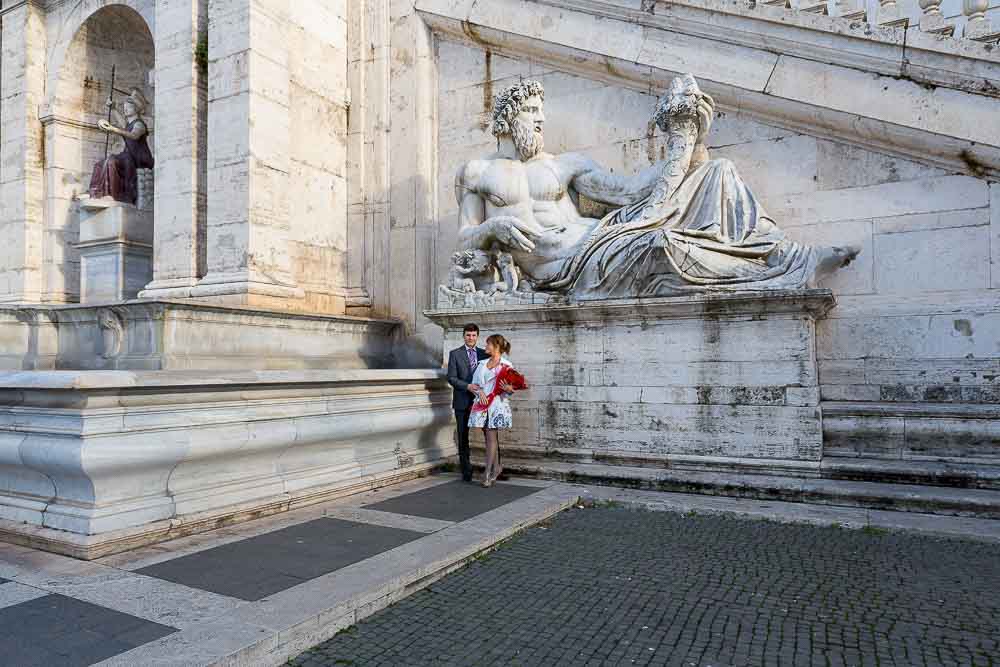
{"x": 116, "y": 250}
{"x": 726, "y": 380}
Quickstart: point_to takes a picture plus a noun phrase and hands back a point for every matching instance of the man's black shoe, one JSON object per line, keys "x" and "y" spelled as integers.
{"x": 503, "y": 477}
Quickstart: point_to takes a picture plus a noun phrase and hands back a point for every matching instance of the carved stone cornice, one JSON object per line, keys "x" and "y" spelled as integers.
{"x": 8, "y": 7}
{"x": 925, "y": 98}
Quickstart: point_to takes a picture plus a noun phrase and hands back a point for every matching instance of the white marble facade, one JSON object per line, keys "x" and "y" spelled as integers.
{"x": 306, "y": 153}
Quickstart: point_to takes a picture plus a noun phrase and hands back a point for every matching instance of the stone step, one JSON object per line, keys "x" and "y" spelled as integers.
{"x": 981, "y": 503}
{"x": 928, "y": 473}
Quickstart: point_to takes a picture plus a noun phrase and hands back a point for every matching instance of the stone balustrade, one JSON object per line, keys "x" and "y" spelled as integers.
{"x": 923, "y": 15}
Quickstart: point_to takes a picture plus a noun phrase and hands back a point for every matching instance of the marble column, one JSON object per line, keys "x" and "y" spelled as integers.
{"x": 181, "y": 148}
{"x": 22, "y": 198}
{"x": 249, "y": 262}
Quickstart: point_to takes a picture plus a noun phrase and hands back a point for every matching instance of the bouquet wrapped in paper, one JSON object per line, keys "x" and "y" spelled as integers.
{"x": 507, "y": 375}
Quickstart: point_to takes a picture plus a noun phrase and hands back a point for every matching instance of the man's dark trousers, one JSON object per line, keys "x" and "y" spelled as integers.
{"x": 460, "y": 370}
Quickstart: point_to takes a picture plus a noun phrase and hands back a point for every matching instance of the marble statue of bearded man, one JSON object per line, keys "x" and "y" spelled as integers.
{"x": 685, "y": 224}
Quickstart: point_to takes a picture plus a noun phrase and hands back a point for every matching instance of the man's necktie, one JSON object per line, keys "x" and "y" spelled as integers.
{"x": 472, "y": 357}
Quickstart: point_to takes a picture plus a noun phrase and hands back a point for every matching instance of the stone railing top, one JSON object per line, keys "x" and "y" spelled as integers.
{"x": 893, "y": 22}
{"x": 147, "y": 308}
{"x": 29, "y": 381}
{"x": 811, "y": 302}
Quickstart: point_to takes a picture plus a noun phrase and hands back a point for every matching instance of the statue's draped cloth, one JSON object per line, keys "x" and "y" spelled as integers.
{"x": 711, "y": 234}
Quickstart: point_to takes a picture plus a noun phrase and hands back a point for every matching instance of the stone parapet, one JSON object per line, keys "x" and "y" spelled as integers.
{"x": 99, "y": 462}
{"x": 726, "y": 375}
{"x": 175, "y": 335}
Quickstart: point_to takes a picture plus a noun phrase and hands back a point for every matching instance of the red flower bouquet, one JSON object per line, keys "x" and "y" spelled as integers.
{"x": 507, "y": 375}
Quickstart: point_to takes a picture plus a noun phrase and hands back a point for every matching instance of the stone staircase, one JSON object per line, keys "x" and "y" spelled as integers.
{"x": 943, "y": 488}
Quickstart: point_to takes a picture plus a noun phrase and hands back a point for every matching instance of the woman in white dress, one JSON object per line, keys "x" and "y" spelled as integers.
{"x": 498, "y": 415}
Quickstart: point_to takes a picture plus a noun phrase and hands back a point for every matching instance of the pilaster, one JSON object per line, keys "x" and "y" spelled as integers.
{"x": 22, "y": 199}
{"x": 249, "y": 261}
{"x": 181, "y": 151}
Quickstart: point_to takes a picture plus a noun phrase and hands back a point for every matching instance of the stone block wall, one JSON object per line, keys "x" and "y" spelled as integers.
{"x": 22, "y": 87}
{"x": 727, "y": 380}
{"x": 918, "y": 315}
{"x": 317, "y": 187}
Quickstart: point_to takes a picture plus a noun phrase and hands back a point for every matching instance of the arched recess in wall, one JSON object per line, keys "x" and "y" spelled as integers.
{"x": 80, "y": 83}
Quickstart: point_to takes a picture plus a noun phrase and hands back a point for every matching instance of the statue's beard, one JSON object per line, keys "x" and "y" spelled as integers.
{"x": 527, "y": 142}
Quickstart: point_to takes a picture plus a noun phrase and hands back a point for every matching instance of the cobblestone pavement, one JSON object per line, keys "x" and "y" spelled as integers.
{"x": 614, "y": 586}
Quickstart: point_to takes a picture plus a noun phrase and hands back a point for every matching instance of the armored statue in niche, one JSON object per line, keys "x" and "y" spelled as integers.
{"x": 686, "y": 224}
{"x": 117, "y": 176}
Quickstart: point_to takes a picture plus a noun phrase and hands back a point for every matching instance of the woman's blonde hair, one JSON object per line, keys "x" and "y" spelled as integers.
{"x": 499, "y": 342}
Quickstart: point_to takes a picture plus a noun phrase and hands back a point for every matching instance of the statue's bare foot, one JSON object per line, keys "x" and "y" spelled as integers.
{"x": 832, "y": 258}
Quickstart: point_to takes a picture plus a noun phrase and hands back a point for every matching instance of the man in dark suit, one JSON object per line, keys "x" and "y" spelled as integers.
{"x": 461, "y": 363}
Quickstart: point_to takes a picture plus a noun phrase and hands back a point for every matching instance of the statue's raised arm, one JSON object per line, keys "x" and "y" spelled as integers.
{"x": 684, "y": 115}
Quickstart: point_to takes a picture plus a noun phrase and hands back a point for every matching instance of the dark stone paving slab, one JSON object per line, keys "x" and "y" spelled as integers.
{"x": 58, "y": 631}
{"x": 256, "y": 567}
{"x": 614, "y": 586}
{"x": 454, "y": 501}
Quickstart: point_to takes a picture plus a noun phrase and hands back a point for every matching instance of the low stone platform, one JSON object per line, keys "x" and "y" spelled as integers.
{"x": 261, "y": 592}
{"x": 727, "y": 375}
{"x": 97, "y": 462}
{"x": 827, "y": 487}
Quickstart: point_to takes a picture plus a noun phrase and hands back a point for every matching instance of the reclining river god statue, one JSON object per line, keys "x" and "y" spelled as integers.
{"x": 683, "y": 225}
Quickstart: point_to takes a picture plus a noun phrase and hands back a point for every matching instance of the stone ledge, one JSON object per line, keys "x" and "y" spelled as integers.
{"x": 980, "y": 503}
{"x": 931, "y": 410}
{"x": 103, "y": 380}
{"x": 94, "y": 453}
{"x": 180, "y": 335}
{"x": 814, "y": 303}
{"x": 933, "y": 473}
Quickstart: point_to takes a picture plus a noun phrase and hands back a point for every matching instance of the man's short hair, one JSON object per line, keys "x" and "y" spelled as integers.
{"x": 471, "y": 326}
{"x": 507, "y": 104}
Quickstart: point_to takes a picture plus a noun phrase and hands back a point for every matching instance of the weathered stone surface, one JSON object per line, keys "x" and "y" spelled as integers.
{"x": 164, "y": 335}
{"x": 206, "y": 448}
{"x": 730, "y": 376}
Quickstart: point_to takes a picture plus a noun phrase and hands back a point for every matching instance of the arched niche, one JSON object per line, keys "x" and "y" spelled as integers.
{"x": 114, "y": 34}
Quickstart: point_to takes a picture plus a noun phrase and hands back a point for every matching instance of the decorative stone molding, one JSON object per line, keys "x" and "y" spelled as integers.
{"x": 112, "y": 332}
{"x": 188, "y": 452}
{"x": 167, "y": 335}
{"x": 763, "y": 61}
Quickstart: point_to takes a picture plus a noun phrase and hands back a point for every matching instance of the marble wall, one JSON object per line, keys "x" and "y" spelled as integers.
{"x": 919, "y": 313}
{"x": 22, "y": 89}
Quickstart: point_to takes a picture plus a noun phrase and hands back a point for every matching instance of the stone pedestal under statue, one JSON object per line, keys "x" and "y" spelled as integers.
{"x": 116, "y": 250}
{"x": 718, "y": 379}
